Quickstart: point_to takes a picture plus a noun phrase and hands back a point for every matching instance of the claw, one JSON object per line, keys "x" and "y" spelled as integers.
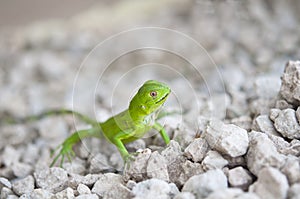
{"x": 66, "y": 150}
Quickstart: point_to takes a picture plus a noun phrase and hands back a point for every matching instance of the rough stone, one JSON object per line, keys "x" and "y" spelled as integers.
{"x": 227, "y": 139}
{"x": 138, "y": 168}
{"x": 111, "y": 184}
{"x": 83, "y": 189}
{"x": 286, "y": 123}
{"x": 88, "y": 180}
{"x": 4, "y": 182}
{"x": 67, "y": 193}
{"x": 240, "y": 178}
{"x": 51, "y": 179}
{"x": 10, "y": 155}
{"x": 98, "y": 163}
{"x": 262, "y": 153}
{"x": 76, "y": 166}
{"x": 25, "y": 185}
{"x": 87, "y": 196}
{"x": 5, "y": 192}
{"x": 263, "y": 124}
{"x": 185, "y": 171}
{"x": 271, "y": 184}
{"x": 21, "y": 170}
{"x": 291, "y": 169}
{"x": 154, "y": 188}
{"x": 294, "y": 191}
{"x": 267, "y": 86}
{"x": 197, "y": 150}
{"x": 157, "y": 167}
{"x": 290, "y": 85}
{"x": 204, "y": 184}
{"x": 185, "y": 195}
{"x": 213, "y": 160}
{"x": 230, "y": 193}
{"x": 38, "y": 194}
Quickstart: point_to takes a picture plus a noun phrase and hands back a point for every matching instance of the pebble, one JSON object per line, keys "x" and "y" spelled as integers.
{"x": 67, "y": 193}
{"x": 290, "y": 87}
{"x": 4, "y": 182}
{"x": 157, "y": 167}
{"x": 38, "y": 194}
{"x": 262, "y": 153}
{"x": 136, "y": 170}
{"x": 25, "y": 185}
{"x": 294, "y": 191}
{"x": 197, "y": 150}
{"x": 291, "y": 169}
{"x": 263, "y": 124}
{"x": 51, "y": 179}
{"x": 87, "y": 196}
{"x": 286, "y": 123}
{"x": 98, "y": 163}
{"x": 271, "y": 184}
{"x": 21, "y": 169}
{"x": 227, "y": 139}
{"x": 204, "y": 184}
{"x": 111, "y": 184}
{"x": 240, "y": 178}
{"x": 230, "y": 193}
{"x": 213, "y": 160}
{"x": 154, "y": 188}
{"x": 83, "y": 189}
{"x": 184, "y": 195}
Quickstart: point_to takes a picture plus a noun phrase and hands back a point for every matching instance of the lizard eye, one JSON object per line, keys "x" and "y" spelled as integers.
{"x": 153, "y": 93}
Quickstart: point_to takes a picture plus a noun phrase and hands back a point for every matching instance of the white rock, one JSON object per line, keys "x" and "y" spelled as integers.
{"x": 21, "y": 169}
{"x": 267, "y": 86}
{"x": 67, "y": 193}
{"x": 98, "y": 163}
{"x": 52, "y": 179}
{"x": 25, "y": 185}
{"x": 248, "y": 196}
{"x": 230, "y": 193}
{"x": 197, "y": 150}
{"x": 110, "y": 184}
{"x": 5, "y": 192}
{"x": 172, "y": 151}
{"x": 137, "y": 168}
{"x": 83, "y": 189}
{"x": 154, "y": 188}
{"x": 213, "y": 160}
{"x": 10, "y": 155}
{"x": 239, "y": 177}
{"x": 227, "y": 139}
{"x": 294, "y": 191}
{"x": 38, "y": 194}
{"x": 4, "y": 182}
{"x": 204, "y": 184}
{"x": 262, "y": 153}
{"x": 290, "y": 86}
{"x": 286, "y": 123}
{"x": 263, "y": 124}
{"x": 185, "y": 195}
{"x": 271, "y": 184}
{"x": 87, "y": 196}
{"x": 157, "y": 167}
{"x": 291, "y": 169}
{"x": 88, "y": 180}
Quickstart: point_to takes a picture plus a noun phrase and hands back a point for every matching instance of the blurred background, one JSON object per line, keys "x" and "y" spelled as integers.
{"x": 209, "y": 51}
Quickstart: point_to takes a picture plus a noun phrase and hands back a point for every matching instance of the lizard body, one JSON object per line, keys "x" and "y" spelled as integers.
{"x": 125, "y": 127}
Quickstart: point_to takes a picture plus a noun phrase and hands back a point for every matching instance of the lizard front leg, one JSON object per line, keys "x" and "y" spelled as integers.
{"x": 162, "y": 132}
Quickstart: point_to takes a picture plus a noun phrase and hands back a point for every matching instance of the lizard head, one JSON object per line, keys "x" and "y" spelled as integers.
{"x": 150, "y": 97}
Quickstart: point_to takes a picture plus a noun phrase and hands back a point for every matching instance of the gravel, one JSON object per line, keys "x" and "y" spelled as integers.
{"x": 239, "y": 132}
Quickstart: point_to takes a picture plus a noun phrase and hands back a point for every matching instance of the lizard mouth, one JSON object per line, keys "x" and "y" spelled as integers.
{"x": 161, "y": 99}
